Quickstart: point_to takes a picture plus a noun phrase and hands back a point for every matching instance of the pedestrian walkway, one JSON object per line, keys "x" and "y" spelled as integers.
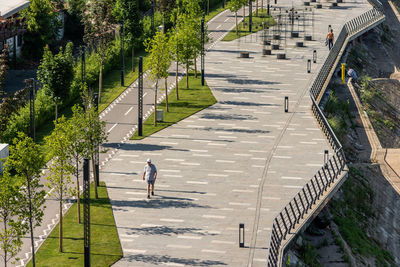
{"x": 239, "y": 161}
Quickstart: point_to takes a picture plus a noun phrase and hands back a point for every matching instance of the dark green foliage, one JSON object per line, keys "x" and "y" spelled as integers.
{"x": 3, "y": 69}
{"x": 309, "y": 255}
{"x": 129, "y": 11}
{"x": 353, "y": 214}
{"x": 73, "y": 28}
{"x": 42, "y": 24}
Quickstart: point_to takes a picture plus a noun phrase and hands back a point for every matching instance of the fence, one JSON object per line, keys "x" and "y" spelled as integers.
{"x": 293, "y": 212}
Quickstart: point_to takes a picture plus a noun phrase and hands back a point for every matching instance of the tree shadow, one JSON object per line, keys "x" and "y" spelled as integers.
{"x": 140, "y": 147}
{"x": 227, "y": 117}
{"x": 162, "y": 260}
{"x": 242, "y": 103}
{"x": 244, "y": 90}
{"x": 248, "y": 81}
{"x": 166, "y": 230}
{"x": 254, "y": 131}
{"x": 156, "y": 203}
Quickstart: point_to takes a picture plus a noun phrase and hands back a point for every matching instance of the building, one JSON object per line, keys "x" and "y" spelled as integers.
{"x": 3, "y": 155}
{"x": 12, "y": 26}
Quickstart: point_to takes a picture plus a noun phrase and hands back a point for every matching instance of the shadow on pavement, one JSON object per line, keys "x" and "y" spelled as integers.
{"x": 140, "y": 147}
{"x": 241, "y": 103}
{"x": 156, "y": 203}
{"x": 244, "y": 90}
{"x": 248, "y": 81}
{"x": 237, "y": 130}
{"x": 162, "y": 260}
{"x": 166, "y": 230}
{"x": 237, "y": 117}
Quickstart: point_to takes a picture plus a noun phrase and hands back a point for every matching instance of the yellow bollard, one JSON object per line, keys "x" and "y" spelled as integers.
{"x": 343, "y": 72}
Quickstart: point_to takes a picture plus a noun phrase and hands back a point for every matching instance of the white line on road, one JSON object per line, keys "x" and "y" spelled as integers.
{"x": 129, "y": 110}
{"x": 112, "y": 127}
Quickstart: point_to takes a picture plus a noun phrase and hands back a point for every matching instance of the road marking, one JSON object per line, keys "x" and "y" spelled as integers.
{"x": 308, "y": 143}
{"x": 282, "y": 157}
{"x": 226, "y": 19}
{"x": 129, "y": 110}
{"x": 233, "y": 171}
{"x": 174, "y": 159}
{"x": 243, "y": 155}
{"x": 213, "y": 251}
{"x": 134, "y": 193}
{"x": 272, "y": 198}
{"x": 198, "y": 150}
{"x": 216, "y": 144}
{"x": 170, "y": 170}
{"x": 190, "y": 164}
{"x": 196, "y": 182}
{"x": 292, "y": 186}
{"x": 222, "y": 242}
{"x": 239, "y": 204}
{"x": 112, "y": 127}
{"x": 136, "y": 251}
{"x": 242, "y": 191}
{"x": 225, "y": 161}
{"x": 168, "y": 143}
{"x": 172, "y": 175}
{"x": 291, "y": 178}
{"x": 258, "y": 158}
{"x": 190, "y": 237}
{"x": 171, "y": 220}
{"x": 202, "y": 155}
{"x": 128, "y": 155}
{"x": 217, "y": 175}
{"x": 178, "y": 246}
{"x": 213, "y": 216}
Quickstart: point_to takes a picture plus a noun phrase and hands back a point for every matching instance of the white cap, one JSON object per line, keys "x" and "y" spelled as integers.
{"x": 148, "y": 160}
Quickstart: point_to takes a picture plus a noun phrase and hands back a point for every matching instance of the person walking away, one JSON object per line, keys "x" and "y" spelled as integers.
{"x": 150, "y": 175}
{"x": 330, "y": 38}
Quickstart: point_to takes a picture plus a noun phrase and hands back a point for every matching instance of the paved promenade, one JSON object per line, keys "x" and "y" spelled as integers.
{"x": 239, "y": 161}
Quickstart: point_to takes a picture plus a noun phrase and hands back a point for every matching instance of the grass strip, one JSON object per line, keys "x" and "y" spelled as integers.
{"x": 190, "y": 101}
{"x": 105, "y": 246}
{"x": 243, "y": 28}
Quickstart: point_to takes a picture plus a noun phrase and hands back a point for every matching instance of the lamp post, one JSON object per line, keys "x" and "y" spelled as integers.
{"x": 86, "y": 213}
{"x": 140, "y": 97}
{"x": 122, "y": 54}
{"x": 83, "y": 69}
{"x": 202, "y": 52}
{"x": 96, "y": 155}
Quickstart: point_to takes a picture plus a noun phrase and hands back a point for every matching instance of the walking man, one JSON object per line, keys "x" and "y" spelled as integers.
{"x": 150, "y": 175}
{"x": 329, "y": 39}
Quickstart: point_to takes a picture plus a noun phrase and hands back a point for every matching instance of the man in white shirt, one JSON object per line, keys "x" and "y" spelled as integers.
{"x": 150, "y": 175}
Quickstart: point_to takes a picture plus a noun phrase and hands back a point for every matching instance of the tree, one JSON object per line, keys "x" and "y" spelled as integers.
{"x": 159, "y": 61}
{"x": 56, "y": 73}
{"x": 24, "y": 164}
{"x": 94, "y": 135}
{"x": 42, "y": 24}
{"x": 60, "y": 169}
{"x": 99, "y": 29}
{"x": 12, "y": 230}
{"x": 234, "y": 6}
{"x": 75, "y": 133}
{"x": 129, "y": 11}
{"x": 3, "y": 69}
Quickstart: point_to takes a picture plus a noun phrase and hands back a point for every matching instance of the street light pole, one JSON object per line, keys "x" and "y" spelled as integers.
{"x": 140, "y": 98}
{"x": 83, "y": 69}
{"x": 96, "y": 155}
{"x": 122, "y": 54}
{"x": 202, "y": 52}
{"x": 86, "y": 213}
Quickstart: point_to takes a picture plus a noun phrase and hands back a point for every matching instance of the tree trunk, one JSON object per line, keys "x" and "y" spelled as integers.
{"x": 100, "y": 80}
{"x": 30, "y": 223}
{"x": 78, "y": 198}
{"x": 60, "y": 229}
{"x": 176, "y": 80}
{"x": 155, "y": 104}
{"x": 166, "y": 94}
{"x": 237, "y": 32}
{"x": 96, "y": 196}
{"x": 56, "y": 111}
{"x": 60, "y": 232}
{"x": 256, "y": 8}
{"x": 5, "y": 247}
{"x": 244, "y": 15}
{"x": 133, "y": 59}
{"x": 187, "y": 76}
{"x": 195, "y": 68}
{"x": 262, "y": 6}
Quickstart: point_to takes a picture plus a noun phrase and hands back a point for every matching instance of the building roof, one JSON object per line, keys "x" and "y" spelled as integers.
{"x": 9, "y": 8}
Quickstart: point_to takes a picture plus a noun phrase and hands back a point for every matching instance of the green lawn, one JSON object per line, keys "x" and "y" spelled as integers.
{"x": 105, "y": 245}
{"x": 190, "y": 101}
{"x": 243, "y": 29}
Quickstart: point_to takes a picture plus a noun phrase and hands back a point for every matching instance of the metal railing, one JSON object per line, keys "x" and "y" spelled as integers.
{"x": 293, "y": 212}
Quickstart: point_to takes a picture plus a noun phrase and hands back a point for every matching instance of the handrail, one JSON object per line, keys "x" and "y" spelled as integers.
{"x": 293, "y": 212}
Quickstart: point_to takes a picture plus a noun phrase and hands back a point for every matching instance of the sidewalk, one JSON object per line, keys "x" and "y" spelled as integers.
{"x": 239, "y": 161}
